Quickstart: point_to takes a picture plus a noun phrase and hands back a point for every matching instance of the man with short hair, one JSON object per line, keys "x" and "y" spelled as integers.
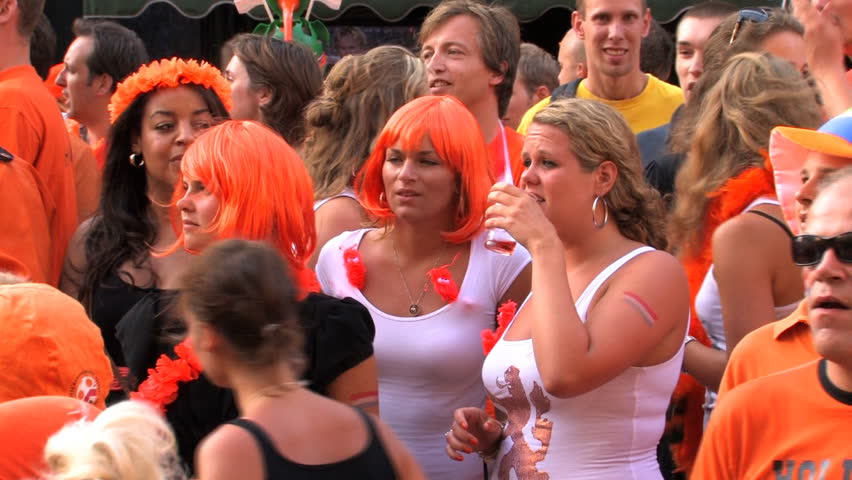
{"x": 612, "y": 33}
{"x": 471, "y": 52}
{"x": 100, "y": 57}
{"x": 795, "y": 424}
{"x": 657, "y": 52}
{"x": 537, "y": 76}
{"x": 31, "y": 126}
{"x": 572, "y": 58}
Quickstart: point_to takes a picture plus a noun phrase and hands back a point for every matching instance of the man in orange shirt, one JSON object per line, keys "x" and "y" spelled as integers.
{"x": 797, "y": 154}
{"x": 795, "y": 424}
{"x": 31, "y": 125}
{"x": 471, "y": 52}
{"x": 101, "y": 56}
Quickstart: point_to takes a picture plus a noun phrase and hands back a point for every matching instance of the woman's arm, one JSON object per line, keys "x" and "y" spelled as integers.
{"x": 227, "y": 453}
{"x": 75, "y": 261}
{"x": 358, "y": 386}
{"x": 705, "y": 364}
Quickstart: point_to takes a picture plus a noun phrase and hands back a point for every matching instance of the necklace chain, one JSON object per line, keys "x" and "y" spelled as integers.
{"x": 278, "y": 389}
{"x": 414, "y": 307}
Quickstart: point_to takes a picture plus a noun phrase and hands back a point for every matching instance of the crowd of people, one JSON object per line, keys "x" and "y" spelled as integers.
{"x": 568, "y": 266}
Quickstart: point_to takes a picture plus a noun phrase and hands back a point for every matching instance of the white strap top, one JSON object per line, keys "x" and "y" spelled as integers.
{"x": 347, "y": 192}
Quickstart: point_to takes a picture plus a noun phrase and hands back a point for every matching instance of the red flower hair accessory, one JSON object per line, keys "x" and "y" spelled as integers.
{"x": 168, "y": 73}
{"x": 161, "y": 386}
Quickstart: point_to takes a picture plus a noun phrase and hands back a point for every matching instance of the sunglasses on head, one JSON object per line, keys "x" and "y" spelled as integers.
{"x": 809, "y": 249}
{"x": 755, "y": 15}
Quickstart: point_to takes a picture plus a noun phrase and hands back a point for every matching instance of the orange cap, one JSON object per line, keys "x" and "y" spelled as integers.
{"x": 49, "y": 346}
{"x": 50, "y": 82}
{"x": 25, "y": 426}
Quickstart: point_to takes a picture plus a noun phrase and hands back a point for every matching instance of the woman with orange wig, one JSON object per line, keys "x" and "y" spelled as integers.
{"x": 242, "y": 180}
{"x": 425, "y": 275}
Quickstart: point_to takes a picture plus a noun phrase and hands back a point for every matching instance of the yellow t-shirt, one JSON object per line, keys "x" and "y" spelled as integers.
{"x": 650, "y": 109}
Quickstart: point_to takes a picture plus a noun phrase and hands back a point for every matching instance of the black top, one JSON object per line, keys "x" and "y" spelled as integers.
{"x": 111, "y": 299}
{"x": 338, "y": 336}
{"x": 372, "y": 463}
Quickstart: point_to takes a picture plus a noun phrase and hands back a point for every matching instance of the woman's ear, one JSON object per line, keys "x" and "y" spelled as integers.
{"x": 605, "y": 176}
{"x": 264, "y": 95}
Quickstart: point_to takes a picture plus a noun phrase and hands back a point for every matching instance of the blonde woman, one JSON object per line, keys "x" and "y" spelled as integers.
{"x": 359, "y": 95}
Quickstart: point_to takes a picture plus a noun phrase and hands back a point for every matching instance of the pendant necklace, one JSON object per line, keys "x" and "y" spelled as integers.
{"x": 414, "y": 307}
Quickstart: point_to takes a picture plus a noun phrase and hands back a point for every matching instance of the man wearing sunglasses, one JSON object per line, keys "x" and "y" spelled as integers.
{"x": 795, "y": 424}
{"x": 801, "y": 160}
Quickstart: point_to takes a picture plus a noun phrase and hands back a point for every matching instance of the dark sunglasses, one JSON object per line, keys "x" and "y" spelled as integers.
{"x": 809, "y": 249}
{"x": 755, "y": 15}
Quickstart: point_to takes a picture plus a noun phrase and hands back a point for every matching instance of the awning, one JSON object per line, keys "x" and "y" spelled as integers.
{"x": 388, "y": 10}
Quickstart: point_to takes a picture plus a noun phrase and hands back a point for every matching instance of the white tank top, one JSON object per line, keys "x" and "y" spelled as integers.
{"x": 708, "y": 306}
{"x": 347, "y": 192}
{"x": 610, "y": 432}
{"x": 431, "y": 364}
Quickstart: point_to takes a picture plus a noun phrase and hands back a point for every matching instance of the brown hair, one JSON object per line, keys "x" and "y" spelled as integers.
{"x": 537, "y": 67}
{"x": 360, "y": 94}
{"x": 499, "y": 39}
{"x": 116, "y": 50}
{"x": 757, "y": 93}
{"x": 243, "y": 289}
{"x": 600, "y": 134}
{"x": 717, "y": 51}
{"x": 289, "y": 71}
{"x": 29, "y": 11}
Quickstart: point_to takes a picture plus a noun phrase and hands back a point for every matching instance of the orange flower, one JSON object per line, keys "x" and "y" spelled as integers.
{"x": 168, "y": 73}
{"x": 161, "y": 386}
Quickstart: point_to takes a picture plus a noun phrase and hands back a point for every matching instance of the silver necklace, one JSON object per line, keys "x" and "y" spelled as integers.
{"x": 414, "y": 307}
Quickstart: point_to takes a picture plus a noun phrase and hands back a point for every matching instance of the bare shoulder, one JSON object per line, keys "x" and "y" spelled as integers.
{"x": 657, "y": 267}
{"x": 404, "y": 464}
{"x": 749, "y": 230}
{"x": 229, "y": 452}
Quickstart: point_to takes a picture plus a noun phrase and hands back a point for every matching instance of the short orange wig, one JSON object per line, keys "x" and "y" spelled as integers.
{"x": 264, "y": 191}
{"x": 457, "y": 140}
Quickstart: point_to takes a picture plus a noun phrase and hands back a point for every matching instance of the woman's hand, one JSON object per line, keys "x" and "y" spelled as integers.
{"x": 518, "y": 213}
{"x": 473, "y": 431}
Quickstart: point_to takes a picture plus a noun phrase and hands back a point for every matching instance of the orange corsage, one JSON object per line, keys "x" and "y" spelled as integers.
{"x": 161, "y": 386}
{"x": 168, "y": 73}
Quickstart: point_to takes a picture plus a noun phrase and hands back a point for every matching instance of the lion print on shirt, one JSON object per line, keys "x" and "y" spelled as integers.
{"x": 521, "y": 457}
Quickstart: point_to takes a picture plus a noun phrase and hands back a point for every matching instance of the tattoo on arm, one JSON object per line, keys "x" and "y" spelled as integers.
{"x": 642, "y": 307}
{"x": 365, "y": 400}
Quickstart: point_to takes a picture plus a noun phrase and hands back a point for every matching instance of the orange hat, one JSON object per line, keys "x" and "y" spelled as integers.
{"x": 49, "y": 346}
{"x": 50, "y": 82}
{"x": 25, "y": 426}
{"x": 788, "y": 149}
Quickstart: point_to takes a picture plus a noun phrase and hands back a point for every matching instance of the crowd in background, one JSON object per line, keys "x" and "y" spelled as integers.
{"x": 568, "y": 266}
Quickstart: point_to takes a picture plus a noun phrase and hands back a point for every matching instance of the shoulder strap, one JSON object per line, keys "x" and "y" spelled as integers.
{"x": 777, "y": 222}
{"x": 263, "y": 441}
{"x": 374, "y": 433}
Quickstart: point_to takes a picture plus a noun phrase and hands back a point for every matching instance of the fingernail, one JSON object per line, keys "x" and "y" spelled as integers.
{"x": 475, "y": 441}
{"x": 460, "y": 458}
{"x": 468, "y": 450}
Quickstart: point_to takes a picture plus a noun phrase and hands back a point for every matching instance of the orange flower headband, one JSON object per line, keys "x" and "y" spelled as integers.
{"x": 169, "y": 73}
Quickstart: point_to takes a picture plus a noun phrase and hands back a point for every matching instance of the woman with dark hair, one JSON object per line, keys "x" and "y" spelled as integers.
{"x": 583, "y": 374}
{"x": 241, "y": 307}
{"x": 272, "y": 81}
{"x": 156, "y": 114}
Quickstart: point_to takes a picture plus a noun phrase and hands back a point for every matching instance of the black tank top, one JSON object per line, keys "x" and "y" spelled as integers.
{"x": 372, "y": 463}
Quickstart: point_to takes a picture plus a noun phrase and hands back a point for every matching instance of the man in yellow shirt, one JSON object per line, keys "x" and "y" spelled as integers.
{"x": 612, "y": 32}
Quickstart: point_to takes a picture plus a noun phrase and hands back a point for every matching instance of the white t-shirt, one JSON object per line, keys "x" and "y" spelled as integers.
{"x": 430, "y": 365}
{"x": 610, "y": 432}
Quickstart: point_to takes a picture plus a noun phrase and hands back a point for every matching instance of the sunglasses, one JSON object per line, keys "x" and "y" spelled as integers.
{"x": 809, "y": 249}
{"x": 754, "y": 15}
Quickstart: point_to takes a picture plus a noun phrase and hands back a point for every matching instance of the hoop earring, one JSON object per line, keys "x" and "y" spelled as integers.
{"x": 136, "y": 160}
{"x": 595, "y": 208}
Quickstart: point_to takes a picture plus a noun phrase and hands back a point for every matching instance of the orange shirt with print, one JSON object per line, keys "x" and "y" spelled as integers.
{"x": 793, "y": 424}
{"x": 31, "y": 127}
{"x": 515, "y": 144}
{"x": 24, "y": 224}
{"x": 772, "y": 348}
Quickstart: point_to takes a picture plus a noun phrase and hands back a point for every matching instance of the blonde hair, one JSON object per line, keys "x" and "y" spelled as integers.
{"x": 128, "y": 441}
{"x": 599, "y": 134}
{"x": 359, "y": 95}
{"x": 757, "y": 93}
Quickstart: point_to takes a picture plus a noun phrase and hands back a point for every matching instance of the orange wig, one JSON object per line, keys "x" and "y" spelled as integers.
{"x": 457, "y": 140}
{"x": 264, "y": 191}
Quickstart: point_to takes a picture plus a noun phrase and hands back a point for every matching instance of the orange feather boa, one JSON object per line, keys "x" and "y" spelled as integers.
{"x": 730, "y": 200}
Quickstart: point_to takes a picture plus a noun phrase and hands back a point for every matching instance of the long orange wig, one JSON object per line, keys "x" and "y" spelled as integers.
{"x": 457, "y": 140}
{"x": 264, "y": 191}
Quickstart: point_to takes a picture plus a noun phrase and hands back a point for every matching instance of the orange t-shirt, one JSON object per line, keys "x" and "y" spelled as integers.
{"x": 515, "y": 142}
{"x": 770, "y": 349}
{"x": 793, "y": 424}
{"x": 24, "y": 224}
{"x": 31, "y": 127}
{"x": 87, "y": 178}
